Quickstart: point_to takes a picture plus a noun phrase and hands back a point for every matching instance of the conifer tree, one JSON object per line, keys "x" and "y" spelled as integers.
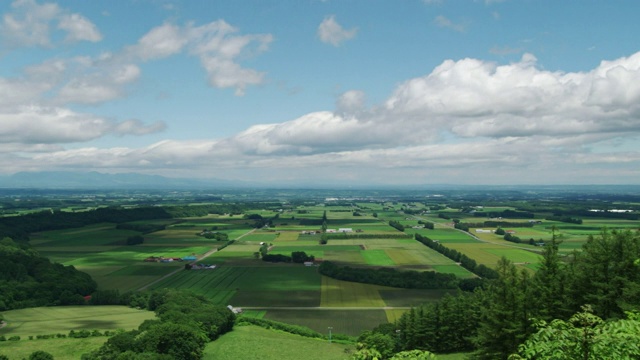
{"x": 504, "y": 319}
{"x": 549, "y": 282}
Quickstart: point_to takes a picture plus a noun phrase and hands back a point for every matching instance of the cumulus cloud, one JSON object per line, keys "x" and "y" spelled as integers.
{"x": 160, "y": 42}
{"x": 45, "y": 125}
{"x": 79, "y": 28}
{"x": 465, "y": 116}
{"x": 217, "y": 45}
{"x": 351, "y": 102}
{"x": 330, "y": 32}
{"x": 99, "y": 85}
{"x": 30, "y": 24}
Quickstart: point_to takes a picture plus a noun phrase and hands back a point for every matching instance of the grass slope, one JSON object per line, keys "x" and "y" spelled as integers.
{"x": 61, "y": 349}
{"x": 252, "y": 342}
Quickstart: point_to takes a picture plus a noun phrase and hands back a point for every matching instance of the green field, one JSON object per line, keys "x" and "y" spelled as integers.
{"x": 99, "y": 250}
{"x": 277, "y": 285}
{"x": 61, "y": 349}
{"x": 62, "y": 319}
{"x": 252, "y": 342}
{"x": 349, "y": 322}
{"x": 377, "y": 258}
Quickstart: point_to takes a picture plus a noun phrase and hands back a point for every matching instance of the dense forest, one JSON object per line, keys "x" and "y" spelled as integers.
{"x": 595, "y": 291}
{"x": 29, "y": 280}
{"x": 186, "y": 322}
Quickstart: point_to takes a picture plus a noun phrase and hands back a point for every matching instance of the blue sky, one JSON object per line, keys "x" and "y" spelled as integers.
{"x": 335, "y": 91}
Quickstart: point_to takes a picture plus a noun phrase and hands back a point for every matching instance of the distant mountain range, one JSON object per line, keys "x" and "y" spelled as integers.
{"x": 71, "y": 180}
{"x": 96, "y": 180}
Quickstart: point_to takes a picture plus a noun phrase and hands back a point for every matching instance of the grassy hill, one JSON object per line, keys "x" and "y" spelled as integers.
{"x": 253, "y": 342}
{"x": 60, "y": 320}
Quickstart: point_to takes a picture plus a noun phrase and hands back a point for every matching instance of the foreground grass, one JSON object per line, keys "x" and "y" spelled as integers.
{"x": 62, "y": 319}
{"x": 253, "y": 342}
{"x": 61, "y": 349}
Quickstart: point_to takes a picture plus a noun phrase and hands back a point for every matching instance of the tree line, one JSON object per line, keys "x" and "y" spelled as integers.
{"x": 390, "y": 277}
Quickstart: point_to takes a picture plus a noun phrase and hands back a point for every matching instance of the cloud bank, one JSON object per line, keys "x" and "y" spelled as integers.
{"x": 466, "y": 119}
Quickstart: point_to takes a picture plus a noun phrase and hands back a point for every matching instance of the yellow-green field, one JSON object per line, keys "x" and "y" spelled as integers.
{"x": 338, "y": 293}
{"x": 62, "y": 319}
{"x": 490, "y": 254}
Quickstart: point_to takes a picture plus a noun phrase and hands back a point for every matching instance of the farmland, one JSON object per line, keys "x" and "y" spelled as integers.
{"x": 62, "y": 319}
{"x": 243, "y": 280}
{"x": 358, "y": 234}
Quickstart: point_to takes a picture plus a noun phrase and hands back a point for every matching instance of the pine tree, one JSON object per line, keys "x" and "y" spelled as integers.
{"x": 606, "y": 276}
{"x": 549, "y": 284}
{"x": 504, "y": 319}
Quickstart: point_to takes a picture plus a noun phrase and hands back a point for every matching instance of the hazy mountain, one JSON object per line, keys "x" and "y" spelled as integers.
{"x": 96, "y": 180}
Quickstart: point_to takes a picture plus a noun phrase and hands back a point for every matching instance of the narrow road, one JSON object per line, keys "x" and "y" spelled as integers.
{"x": 206, "y": 255}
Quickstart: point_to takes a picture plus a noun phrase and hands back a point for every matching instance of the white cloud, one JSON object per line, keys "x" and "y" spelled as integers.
{"x": 160, "y": 42}
{"x": 30, "y": 25}
{"x": 40, "y": 125}
{"x": 78, "y": 28}
{"x": 445, "y": 22}
{"x": 218, "y": 46}
{"x": 97, "y": 83}
{"x": 466, "y": 121}
{"x": 330, "y": 32}
{"x": 351, "y": 102}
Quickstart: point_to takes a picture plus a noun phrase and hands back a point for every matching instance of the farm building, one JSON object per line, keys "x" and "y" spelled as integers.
{"x": 345, "y": 230}
{"x": 189, "y": 258}
{"x": 235, "y": 310}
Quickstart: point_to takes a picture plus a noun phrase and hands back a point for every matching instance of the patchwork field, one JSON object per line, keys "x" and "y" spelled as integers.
{"x": 99, "y": 250}
{"x": 291, "y": 292}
